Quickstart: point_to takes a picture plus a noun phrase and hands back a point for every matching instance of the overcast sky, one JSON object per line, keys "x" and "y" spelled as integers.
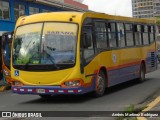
{"x": 114, "y": 7}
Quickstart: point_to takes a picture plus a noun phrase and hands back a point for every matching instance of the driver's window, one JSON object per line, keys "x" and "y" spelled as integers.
{"x": 88, "y": 51}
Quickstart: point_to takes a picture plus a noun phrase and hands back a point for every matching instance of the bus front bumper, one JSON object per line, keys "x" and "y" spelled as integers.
{"x": 50, "y": 90}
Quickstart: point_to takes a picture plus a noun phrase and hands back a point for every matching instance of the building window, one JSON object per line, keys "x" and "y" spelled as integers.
{"x": 33, "y": 10}
{"x": 44, "y": 10}
{"x": 19, "y": 10}
{"x": 4, "y": 10}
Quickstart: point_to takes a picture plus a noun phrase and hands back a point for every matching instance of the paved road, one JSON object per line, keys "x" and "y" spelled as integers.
{"x": 115, "y": 99}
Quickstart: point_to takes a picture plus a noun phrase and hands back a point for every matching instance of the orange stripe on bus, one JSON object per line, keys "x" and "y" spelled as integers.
{"x": 124, "y": 65}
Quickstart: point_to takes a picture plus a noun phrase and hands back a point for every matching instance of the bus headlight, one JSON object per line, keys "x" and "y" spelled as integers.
{"x": 6, "y": 72}
{"x": 17, "y": 83}
{"x": 72, "y": 83}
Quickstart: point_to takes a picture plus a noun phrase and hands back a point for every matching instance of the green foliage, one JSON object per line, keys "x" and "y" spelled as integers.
{"x": 23, "y": 60}
{"x": 130, "y": 109}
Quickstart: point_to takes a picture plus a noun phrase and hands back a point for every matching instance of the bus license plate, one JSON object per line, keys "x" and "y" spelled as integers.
{"x": 40, "y": 90}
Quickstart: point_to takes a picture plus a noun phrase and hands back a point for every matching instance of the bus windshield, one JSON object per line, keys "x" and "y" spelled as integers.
{"x": 45, "y": 46}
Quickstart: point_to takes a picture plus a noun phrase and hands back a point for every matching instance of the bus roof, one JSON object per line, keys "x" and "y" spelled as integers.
{"x": 76, "y": 17}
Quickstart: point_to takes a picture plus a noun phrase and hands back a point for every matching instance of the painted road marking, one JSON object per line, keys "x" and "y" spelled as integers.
{"x": 149, "y": 107}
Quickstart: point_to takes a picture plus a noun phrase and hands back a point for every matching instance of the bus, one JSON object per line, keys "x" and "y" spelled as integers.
{"x": 6, "y": 54}
{"x": 80, "y": 52}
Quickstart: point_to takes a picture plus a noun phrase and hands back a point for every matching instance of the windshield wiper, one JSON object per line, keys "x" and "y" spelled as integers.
{"x": 51, "y": 59}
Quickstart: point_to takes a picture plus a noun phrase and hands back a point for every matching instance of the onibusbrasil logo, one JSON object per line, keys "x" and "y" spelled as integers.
{"x": 21, "y": 114}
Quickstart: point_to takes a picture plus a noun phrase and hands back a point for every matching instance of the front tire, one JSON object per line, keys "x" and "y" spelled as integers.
{"x": 100, "y": 85}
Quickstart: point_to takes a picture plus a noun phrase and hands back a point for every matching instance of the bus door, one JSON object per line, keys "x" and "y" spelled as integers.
{"x": 87, "y": 52}
{"x": 6, "y": 53}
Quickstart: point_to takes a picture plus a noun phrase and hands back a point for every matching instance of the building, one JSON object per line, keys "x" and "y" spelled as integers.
{"x": 157, "y": 8}
{"x": 145, "y": 8}
{"x": 10, "y": 10}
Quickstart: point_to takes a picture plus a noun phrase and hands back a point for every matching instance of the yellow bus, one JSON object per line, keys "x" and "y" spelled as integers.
{"x": 76, "y": 53}
{"x": 6, "y": 53}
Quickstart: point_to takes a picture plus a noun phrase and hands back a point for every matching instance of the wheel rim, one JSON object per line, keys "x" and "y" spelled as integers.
{"x": 142, "y": 74}
{"x": 100, "y": 84}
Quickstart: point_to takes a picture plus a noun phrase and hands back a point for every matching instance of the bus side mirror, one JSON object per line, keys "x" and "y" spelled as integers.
{"x": 86, "y": 38}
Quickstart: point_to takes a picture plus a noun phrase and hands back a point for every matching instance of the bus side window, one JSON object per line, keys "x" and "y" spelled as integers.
{"x": 112, "y": 34}
{"x": 101, "y": 35}
{"x": 121, "y": 36}
{"x": 145, "y": 34}
{"x": 137, "y": 32}
{"x": 151, "y": 33}
{"x": 129, "y": 34}
{"x": 88, "y": 50}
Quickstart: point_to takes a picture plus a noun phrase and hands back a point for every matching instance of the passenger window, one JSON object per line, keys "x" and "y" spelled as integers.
{"x": 151, "y": 33}
{"x": 101, "y": 32}
{"x": 121, "y": 37}
{"x": 129, "y": 34}
{"x": 138, "y": 36}
{"x": 145, "y": 35}
{"x": 112, "y": 35}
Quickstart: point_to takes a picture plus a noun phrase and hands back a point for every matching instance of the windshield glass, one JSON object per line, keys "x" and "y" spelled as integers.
{"x": 45, "y": 46}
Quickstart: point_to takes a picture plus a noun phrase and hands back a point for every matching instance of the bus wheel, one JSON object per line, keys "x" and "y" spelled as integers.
{"x": 45, "y": 96}
{"x": 100, "y": 85}
{"x": 142, "y": 73}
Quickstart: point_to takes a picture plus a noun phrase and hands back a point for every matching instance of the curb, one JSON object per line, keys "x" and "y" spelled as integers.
{"x": 149, "y": 107}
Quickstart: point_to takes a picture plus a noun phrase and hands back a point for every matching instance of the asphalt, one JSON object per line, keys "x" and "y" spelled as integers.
{"x": 151, "y": 108}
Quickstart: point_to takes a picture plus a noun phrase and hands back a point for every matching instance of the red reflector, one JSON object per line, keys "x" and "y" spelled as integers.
{"x": 66, "y": 91}
{"x": 75, "y": 91}
{"x": 46, "y": 91}
{"x": 25, "y": 90}
{"x": 55, "y": 90}
{"x": 34, "y": 90}
{"x": 18, "y": 89}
